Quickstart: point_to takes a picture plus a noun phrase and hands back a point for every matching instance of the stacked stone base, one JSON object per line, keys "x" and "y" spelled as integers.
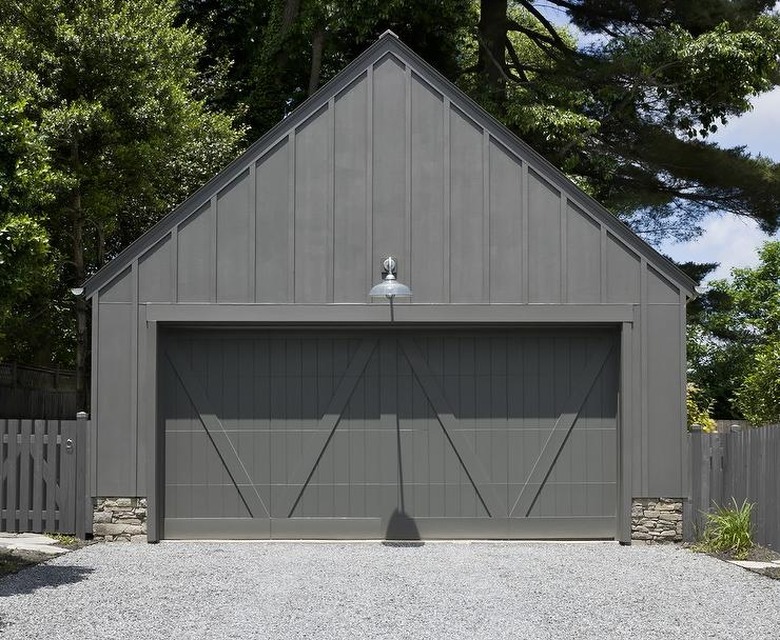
{"x": 119, "y": 519}
{"x": 124, "y": 520}
{"x": 657, "y": 520}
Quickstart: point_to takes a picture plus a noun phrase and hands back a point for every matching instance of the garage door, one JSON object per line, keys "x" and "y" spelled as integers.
{"x": 440, "y": 434}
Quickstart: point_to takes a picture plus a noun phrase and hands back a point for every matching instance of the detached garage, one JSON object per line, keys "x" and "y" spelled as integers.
{"x": 246, "y": 385}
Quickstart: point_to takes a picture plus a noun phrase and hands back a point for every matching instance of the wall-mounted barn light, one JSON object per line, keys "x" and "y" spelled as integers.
{"x": 390, "y": 287}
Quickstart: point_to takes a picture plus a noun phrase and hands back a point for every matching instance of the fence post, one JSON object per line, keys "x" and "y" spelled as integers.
{"x": 82, "y": 460}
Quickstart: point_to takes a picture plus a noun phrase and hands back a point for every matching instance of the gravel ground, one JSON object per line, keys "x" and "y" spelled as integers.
{"x": 369, "y": 590}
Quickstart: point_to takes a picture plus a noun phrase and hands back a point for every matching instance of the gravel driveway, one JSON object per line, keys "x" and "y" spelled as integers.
{"x": 369, "y": 590}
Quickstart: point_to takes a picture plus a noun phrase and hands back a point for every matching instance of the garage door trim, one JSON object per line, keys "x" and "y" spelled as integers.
{"x": 151, "y": 448}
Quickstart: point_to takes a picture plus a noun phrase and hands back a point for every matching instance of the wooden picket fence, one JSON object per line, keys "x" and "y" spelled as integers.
{"x": 740, "y": 464}
{"x": 43, "y": 485}
{"x": 36, "y": 392}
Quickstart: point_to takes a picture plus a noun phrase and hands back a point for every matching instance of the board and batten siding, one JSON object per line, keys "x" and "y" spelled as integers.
{"x": 391, "y": 164}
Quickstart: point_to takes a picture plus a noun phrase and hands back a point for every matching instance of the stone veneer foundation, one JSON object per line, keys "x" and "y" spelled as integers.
{"x": 124, "y": 520}
{"x": 657, "y": 520}
{"x": 119, "y": 519}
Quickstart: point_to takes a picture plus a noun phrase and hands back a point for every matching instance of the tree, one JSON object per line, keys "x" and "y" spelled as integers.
{"x": 628, "y": 116}
{"x": 26, "y": 180}
{"x": 699, "y": 408}
{"x": 759, "y": 395}
{"x": 111, "y": 123}
{"x": 280, "y": 51}
{"x": 656, "y": 81}
{"x": 735, "y": 336}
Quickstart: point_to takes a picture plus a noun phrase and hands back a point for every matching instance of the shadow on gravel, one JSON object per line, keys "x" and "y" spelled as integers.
{"x": 40, "y": 576}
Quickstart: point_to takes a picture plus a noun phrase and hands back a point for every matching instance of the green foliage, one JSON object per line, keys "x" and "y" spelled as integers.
{"x": 103, "y": 129}
{"x": 758, "y": 398}
{"x": 63, "y": 539}
{"x": 268, "y": 44}
{"x": 699, "y": 409}
{"x": 26, "y": 277}
{"x": 728, "y": 530}
{"x": 734, "y": 338}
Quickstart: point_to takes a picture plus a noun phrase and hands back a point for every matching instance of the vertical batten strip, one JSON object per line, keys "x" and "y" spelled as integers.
{"x": 134, "y": 373}
{"x": 485, "y": 215}
{"x": 524, "y": 248}
{"x": 331, "y": 203}
{"x": 603, "y": 262}
{"x": 564, "y": 248}
{"x": 213, "y": 248}
{"x": 291, "y": 218}
{"x": 446, "y": 112}
{"x": 252, "y": 231}
{"x": 369, "y": 177}
{"x": 175, "y": 264}
{"x": 407, "y": 257}
{"x": 643, "y": 293}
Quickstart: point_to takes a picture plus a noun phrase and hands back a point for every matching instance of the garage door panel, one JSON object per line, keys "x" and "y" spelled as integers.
{"x": 204, "y": 501}
{"x": 587, "y": 456}
{"x": 566, "y": 499}
{"x": 602, "y": 498}
{"x": 376, "y": 447}
{"x": 192, "y": 454}
{"x": 446, "y": 426}
{"x": 524, "y": 447}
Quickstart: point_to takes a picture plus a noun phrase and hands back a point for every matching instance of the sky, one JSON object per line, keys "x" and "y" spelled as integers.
{"x": 727, "y": 239}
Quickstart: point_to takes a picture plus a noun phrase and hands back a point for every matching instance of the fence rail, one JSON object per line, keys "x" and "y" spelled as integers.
{"x": 737, "y": 465}
{"x": 43, "y": 476}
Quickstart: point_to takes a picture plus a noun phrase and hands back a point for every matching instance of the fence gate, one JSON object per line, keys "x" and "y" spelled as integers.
{"x": 43, "y": 477}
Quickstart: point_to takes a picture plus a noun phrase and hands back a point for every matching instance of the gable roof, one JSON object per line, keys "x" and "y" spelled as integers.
{"x": 387, "y": 43}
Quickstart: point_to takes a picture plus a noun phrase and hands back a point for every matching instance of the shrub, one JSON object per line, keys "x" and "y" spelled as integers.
{"x": 699, "y": 407}
{"x": 759, "y": 396}
{"x": 729, "y": 530}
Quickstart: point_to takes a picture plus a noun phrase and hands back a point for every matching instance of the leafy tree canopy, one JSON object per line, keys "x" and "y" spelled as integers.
{"x": 103, "y": 129}
{"x": 733, "y": 331}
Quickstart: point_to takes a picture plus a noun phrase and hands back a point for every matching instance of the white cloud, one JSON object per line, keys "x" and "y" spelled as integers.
{"x": 731, "y": 241}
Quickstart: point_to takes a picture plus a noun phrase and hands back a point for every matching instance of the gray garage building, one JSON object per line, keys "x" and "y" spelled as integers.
{"x": 245, "y": 383}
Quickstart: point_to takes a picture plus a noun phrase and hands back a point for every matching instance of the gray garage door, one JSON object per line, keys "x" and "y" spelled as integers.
{"x": 389, "y": 434}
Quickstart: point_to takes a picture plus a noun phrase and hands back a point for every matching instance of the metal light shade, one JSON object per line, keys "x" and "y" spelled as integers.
{"x": 389, "y": 287}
